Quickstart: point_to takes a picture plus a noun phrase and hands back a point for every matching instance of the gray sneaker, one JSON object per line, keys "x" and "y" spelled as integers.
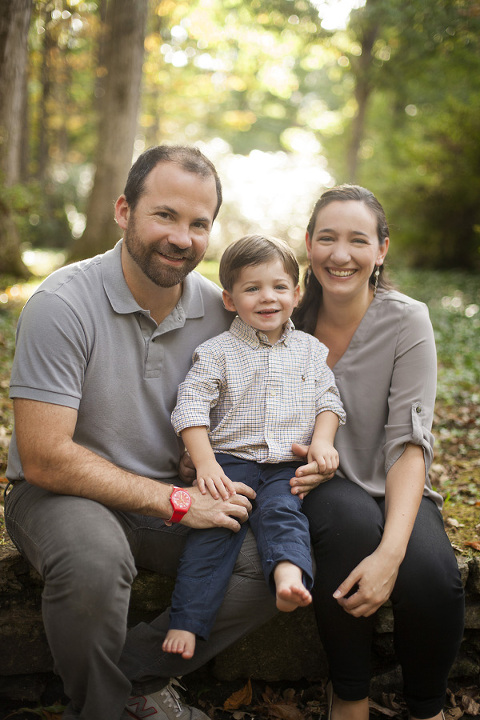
{"x": 162, "y": 705}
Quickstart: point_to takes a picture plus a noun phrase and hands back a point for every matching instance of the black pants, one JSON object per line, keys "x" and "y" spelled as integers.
{"x": 346, "y": 525}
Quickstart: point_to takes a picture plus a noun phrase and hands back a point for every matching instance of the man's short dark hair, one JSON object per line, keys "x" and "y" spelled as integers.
{"x": 188, "y": 157}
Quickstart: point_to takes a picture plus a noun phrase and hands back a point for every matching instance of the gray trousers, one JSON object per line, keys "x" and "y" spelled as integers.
{"x": 87, "y": 556}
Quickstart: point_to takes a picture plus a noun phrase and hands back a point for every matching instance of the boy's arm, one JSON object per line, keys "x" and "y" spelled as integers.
{"x": 210, "y": 475}
{"x": 321, "y": 448}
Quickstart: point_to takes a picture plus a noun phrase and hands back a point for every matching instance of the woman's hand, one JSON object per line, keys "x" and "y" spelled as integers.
{"x": 307, "y": 477}
{"x": 372, "y": 582}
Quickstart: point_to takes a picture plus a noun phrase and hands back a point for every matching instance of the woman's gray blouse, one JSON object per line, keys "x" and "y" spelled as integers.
{"x": 387, "y": 382}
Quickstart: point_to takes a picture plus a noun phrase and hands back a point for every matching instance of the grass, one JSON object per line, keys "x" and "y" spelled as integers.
{"x": 453, "y": 299}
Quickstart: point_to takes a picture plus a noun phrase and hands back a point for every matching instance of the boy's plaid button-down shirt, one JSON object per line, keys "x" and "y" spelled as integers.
{"x": 255, "y": 398}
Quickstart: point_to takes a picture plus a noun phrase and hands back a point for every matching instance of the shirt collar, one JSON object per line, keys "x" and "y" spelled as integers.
{"x": 122, "y": 301}
{"x": 255, "y": 338}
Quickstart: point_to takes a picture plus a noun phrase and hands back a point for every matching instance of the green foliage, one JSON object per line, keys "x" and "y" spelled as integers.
{"x": 420, "y": 151}
{"x": 39, "y": 211}
{"x": 453, "y": 301}
{"x": 266, "y": 75}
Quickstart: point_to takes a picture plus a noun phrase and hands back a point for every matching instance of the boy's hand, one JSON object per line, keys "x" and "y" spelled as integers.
{"x": 325, "y": 455}
{"x": 309, "y": 476}
{"x": 212, "y": 479}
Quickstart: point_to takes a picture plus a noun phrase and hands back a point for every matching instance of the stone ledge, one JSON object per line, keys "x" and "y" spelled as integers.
{"x": 285, "y": 648}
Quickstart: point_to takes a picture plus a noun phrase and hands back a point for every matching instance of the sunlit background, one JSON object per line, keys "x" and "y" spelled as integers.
{"x": 287, "y": 97}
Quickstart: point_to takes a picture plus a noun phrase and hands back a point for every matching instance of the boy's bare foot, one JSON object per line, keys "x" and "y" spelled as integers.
{"x": 180, "y": 642}
{"x": 290, "y": 590}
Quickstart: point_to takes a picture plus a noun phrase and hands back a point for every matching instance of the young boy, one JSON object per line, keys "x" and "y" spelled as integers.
{"x": 252, "y": 392}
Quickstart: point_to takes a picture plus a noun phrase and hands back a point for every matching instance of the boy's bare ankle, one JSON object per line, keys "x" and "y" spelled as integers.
{"x": 290, "y": 590}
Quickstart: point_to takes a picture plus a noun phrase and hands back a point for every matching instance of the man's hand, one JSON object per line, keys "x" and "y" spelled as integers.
{"x": 186, "y": 469}
{"x": 206, "y": 511}
{"x": 307, "y": 477}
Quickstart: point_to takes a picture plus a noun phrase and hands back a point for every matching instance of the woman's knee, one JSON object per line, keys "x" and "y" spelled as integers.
{"x": 429, "y": 578}
{"x": 340, "y": 511}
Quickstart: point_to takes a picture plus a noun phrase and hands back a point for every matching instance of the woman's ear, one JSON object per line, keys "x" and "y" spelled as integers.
{"x": 383, "y": 251}
{"x": 308, "y": 243}
{"x": 228, "y": 302}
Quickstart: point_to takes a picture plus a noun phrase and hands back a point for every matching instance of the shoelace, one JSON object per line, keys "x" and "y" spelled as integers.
{"x": 172, "y": 699}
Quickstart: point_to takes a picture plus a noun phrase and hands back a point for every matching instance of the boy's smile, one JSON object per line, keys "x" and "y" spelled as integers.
{"x": 264, "y": 296}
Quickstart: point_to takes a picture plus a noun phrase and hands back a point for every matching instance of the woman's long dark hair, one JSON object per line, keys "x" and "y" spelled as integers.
{"x": 305, "y": 315}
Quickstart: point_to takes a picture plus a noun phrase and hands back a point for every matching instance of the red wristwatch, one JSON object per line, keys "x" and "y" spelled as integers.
{"x": 181, "y": 501}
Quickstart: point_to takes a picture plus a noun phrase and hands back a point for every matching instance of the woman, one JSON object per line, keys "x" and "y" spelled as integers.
{"x": 376, "y": 526}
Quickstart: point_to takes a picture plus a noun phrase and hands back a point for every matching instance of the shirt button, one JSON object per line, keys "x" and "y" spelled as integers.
{"x": 419, "y": 408}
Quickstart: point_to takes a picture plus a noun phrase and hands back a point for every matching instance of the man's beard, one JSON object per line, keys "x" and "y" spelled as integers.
{"x": 151, "y": 265}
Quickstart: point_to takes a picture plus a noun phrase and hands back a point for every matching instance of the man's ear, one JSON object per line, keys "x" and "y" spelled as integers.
{"x": 122, "y": 212}
{"x": 228, "y": 302}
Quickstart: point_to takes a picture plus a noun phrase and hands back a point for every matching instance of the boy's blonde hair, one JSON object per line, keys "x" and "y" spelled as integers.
{"x": 255, "y": 250}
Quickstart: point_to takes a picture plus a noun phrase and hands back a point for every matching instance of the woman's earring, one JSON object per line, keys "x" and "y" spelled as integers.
{"x": 376, "y": 275}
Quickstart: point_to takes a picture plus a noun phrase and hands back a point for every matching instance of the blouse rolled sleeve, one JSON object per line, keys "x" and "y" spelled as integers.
{"x": 413, "y": 386}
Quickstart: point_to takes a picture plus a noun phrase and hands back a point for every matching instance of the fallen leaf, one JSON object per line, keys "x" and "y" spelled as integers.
{"x": 475, "y": 544}
{"x": 268, "y": 694}
{"x": 389, "y": 701}
{"x": 381, "y": 709}
{"x": 451, "y": 698}
{"x": 289, "y": 695}
{"x": 54, "y": 712}
{"x": 453, "y": 523}
{"x": 470, "y": 706}
{"x": 241, "y": 697}
{"x": 284, "y": 711}
{"x": 454, "y": 713}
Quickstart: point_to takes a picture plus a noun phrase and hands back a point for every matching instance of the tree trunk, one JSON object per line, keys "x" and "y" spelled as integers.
{"x": 14, "y": 23}
{"x": 126, "y": 23}
{"x": 363, "y": 88}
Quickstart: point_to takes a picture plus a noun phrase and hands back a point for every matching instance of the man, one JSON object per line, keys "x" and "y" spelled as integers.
{"x": 101, "y": 348}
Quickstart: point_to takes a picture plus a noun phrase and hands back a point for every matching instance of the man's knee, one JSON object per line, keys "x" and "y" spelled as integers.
{"x": 88, "y": 562}
{"x": 248, "y": 562}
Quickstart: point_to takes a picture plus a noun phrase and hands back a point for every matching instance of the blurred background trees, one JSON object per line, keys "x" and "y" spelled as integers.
{"x": 285, "y": 96}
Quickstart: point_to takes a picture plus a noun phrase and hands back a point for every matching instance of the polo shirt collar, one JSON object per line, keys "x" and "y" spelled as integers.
{"x": 122, "y": 301}
{"x": 255, "y": 338}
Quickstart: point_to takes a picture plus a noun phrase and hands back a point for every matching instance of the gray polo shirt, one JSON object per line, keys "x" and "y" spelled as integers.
{"x": 84, "y": 342}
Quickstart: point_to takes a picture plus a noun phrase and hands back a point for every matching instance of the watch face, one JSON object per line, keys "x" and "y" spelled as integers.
{"x": 182, "y": 499}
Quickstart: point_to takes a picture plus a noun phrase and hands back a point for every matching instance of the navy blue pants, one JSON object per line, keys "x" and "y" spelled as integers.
{"x": 346, "y": 525}
{"x": 281, "y": 531}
